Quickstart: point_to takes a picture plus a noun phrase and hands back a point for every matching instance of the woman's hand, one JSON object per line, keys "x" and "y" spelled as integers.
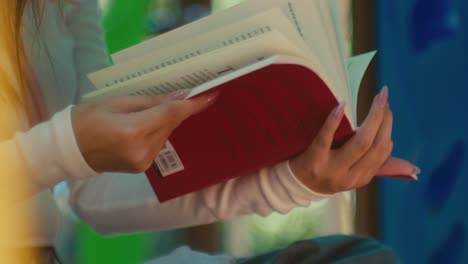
{"x": 125, "y": 134}
{"x": 355, "y": 164}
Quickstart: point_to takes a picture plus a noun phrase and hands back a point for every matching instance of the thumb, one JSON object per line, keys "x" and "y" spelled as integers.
{"x": 171, "y": 113}
{"x": 130, "y": 104}
{"x": 398, "y": 168}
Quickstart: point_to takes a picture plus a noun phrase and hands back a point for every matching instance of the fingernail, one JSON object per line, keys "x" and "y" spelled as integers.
{"x": 209, "y": 99}
{"x": 416, "y": 171}
{"x": 178, "y": 95}
{"x": 212, "y": 97}
{"x": 339, "y": 110}
{"x": 383, "y": 96}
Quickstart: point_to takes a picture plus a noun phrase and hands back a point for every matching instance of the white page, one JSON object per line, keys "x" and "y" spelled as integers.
{"x": 159, "y": 58}
{"x": 305, "y": 10}
{"x": 304, "y": 24}
{"x": 316, "y": 26}
{"x": 276, "y": 59}
{"x": 203, "y": 69}
{"x": 357, "y": 66}
{"x": 305, "y": 16}
{"x": 335, "y": 14}
{"x": 191, "y": 30}
{"x": 326, "y": 24}
{"x": 220, "y": 19}
{"x": 330, "y": 20}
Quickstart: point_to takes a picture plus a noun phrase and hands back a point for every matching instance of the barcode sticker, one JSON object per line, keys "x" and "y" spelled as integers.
{"x": 167, "y": 161}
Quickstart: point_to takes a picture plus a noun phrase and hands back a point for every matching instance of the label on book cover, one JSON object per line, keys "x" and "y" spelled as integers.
{"x": 167, "y": 161}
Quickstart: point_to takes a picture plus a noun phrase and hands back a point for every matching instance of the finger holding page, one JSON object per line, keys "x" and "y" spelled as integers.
{"x": 176, "y": 110}
{"x": 312, "y": 167}
{"x": 330, "y": 171}
{"x": 322, "y": 143}
{"x": 365, "y": 169}
{"x": 170, "y": 114}
{"x": 362, "y": 141}
{"x": 128, "y": 104}
{"x": 112, "y": 134}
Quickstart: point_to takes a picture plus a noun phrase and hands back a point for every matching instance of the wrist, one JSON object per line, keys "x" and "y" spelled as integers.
{"x": 76, "y": 143}
{"x": 303, "y": 179}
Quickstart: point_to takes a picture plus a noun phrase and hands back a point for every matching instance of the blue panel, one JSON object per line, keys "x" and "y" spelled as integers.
{"x": 423, "y": 57}
{"x": 433, "y": 21}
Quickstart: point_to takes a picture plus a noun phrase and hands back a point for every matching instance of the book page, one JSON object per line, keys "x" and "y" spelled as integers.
{"x": 202, "y": 69}
{"x": 159, "y": 57}
{"x": 302, "y": 14}
{"x": 213, "y": 22}
{"x": 357, "y": 66}
{"x": 320, "y": 38}
{"x": 316, "y": 28}
{"x": 335, "y": 14}
{"x": 330, "y": 21}
{"x": 228, "y": 16}
{"x": 206, "y": 24}
{"x": 320, "y": 26}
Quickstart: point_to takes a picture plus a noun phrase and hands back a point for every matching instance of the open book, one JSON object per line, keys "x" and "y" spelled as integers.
{"x": 280, "y": 67}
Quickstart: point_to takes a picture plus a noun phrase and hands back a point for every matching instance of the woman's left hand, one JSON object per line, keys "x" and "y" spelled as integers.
{"x": 356, "y": 163}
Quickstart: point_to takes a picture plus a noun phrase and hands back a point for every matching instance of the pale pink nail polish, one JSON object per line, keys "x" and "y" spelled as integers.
{"x": 212, "y": 98}
{"x": 416, "y": 171}
{"x": 383, "y": 97}
{"x": 339, "y": 110}
{"x": 178, "y": 95}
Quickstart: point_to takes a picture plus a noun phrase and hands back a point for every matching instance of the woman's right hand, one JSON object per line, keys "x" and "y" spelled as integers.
{"x": 125, "y": 134}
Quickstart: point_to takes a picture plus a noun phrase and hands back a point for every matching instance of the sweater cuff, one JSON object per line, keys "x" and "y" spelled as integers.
{"x": 73, "y": 161}
{"x": 296, "y": 187}
{"x": 52, "y": 152}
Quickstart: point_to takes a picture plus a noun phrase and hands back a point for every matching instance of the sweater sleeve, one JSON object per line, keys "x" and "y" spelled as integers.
{"x": 46, "y": 154}
{"x": 90, "y": 52}
{"x": 119, "y": 203}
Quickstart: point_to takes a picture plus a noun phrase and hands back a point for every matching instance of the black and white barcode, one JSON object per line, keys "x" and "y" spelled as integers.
{"x": 164, "y": 147}
{"x": 168, "y": 161}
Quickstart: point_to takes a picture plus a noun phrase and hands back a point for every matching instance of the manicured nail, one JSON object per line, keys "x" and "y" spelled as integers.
{"x": 339, "y": 110}
{"x": 416, "y": 171}
{"x": 209, "y": 99}
{"x": 383, "y": 96}
{"x": 178, "y": 95}
{"x": 212, "y": 97}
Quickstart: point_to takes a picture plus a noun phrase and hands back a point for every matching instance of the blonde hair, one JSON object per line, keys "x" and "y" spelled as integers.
{"x": 14, "y": 222}
{"x": 10, "y": 28}
{"x": 14, "y": 90}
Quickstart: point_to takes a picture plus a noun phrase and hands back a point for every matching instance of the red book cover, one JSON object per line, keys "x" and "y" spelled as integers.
{"x": 259, "y": 119}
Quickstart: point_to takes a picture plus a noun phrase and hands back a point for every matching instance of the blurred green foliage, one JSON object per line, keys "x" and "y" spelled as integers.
{"x": 126, "y": 249}
{"x": 124, "y": 23}
{"x": 277, "y": 230}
